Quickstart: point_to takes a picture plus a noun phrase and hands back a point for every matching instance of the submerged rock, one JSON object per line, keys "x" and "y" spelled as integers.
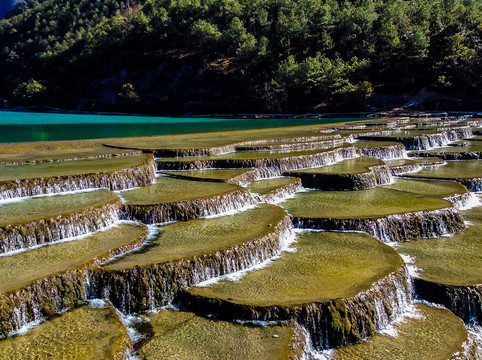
{"x": 427, "y": 333}
{"x": 241, "y": 177}
{"x": 388, "y": 214}
{"x": 451, "y": 191}
{"x": 467, "y": 172}
{"x": 449, "y": 269}
{"x": 185, "y": 336}
{"x": 274, "y": 190}
{"x": 83, "y": 333}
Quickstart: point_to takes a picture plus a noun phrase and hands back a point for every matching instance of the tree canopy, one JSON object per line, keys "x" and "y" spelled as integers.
{"x": 284, "y": 53}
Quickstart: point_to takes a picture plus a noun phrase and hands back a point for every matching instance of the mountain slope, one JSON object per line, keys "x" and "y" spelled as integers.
{"x": 184, "y": 56}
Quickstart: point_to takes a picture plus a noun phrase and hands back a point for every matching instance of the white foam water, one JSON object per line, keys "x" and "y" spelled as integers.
{"x": 153, "y": 231}
{"x": 26, "y": 328}
{"x": 310, "y": 353}
{"x": 129, "y": 321}
{"x": 231, "y": 212}
{"x": 475, "y": 331}
{"x": 410, "y": 261}
{"x": 409, "y": 312}
{"x": 98, "y": 303}
{"x": 473, "y": 201}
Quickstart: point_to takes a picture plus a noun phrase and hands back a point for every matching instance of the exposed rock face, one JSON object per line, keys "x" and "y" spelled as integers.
{"x": 473, "y": 185}
{"x": 330, "y": 324}
{"x": 311, "y": 145}
{"x": 464, "y": 301}
{"x": 460, "y": 200}
{"x": 116, "y": 180}
{"x": 218, "y": 150}
{"x": 287, "y": 140}
{"x": 400, "y": 227}
{"x": 378, "y": 175}
{"x": 149, "y": 287}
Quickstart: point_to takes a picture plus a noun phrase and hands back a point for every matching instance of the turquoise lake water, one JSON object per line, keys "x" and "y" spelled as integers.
{"x": 23, "y": 126}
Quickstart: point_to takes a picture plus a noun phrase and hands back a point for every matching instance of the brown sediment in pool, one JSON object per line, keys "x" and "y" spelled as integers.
{"x": 183, "y": 335}
{"x": 433, "y": 334}
{"x": 83, "y": 333}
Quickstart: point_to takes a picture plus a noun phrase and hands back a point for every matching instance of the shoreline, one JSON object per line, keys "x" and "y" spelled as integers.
{"x": 368, "y": 114}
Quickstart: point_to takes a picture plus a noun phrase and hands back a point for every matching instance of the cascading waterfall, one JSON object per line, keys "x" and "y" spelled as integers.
{"x": 291, "y": 140}
{"x": 150, "y": 287}
{"x": 117, "y": 180}
{"x": 384, "y": 152}
{"x": 246, "y": 178}
{"x": 327, "y": 144}
{"x": 48, "y": 296}
{"x": 394, "y": 228}
{"x": 327, "y": 325}
{"x": 405, "y": 169}
{"x": 429, "y": 141}
{"x": 212, "y": 151}
{"x": 188, "y": 210}
{"x": 273, "y": 166}
{"x": 330, "y": 324}
{"x": 351, "y": 127}
{"x": 280, "y": 193}
{"x": 452, "y": 155}
{"x": 473, "y": 185}
{"x": 37, "y": 232}
{"x": 464, "y": 201}
{"x": 374, "y": 133}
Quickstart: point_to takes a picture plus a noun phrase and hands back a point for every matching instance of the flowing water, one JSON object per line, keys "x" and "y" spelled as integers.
{"x": 297, "y": 242}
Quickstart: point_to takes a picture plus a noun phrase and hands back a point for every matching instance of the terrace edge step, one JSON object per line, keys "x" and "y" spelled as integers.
{"x": 330, "y": 324}
{"x": 48, "y": 296}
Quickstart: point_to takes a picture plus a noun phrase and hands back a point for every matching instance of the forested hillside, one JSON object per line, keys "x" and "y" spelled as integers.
{"x": 182, "y": 56}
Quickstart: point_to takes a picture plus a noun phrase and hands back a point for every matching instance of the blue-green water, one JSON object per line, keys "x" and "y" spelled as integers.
{"x": 20, "y": 126}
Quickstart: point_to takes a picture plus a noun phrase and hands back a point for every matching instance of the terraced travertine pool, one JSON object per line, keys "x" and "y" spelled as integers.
{"x": 70, "y": 168}
{"x": 301, "y": 242}
{"x": 323, "y": 266}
